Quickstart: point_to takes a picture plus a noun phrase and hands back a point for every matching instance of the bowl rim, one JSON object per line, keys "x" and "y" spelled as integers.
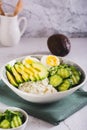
{"x": 41, "y": 95}
{"x": 18, "y": 109}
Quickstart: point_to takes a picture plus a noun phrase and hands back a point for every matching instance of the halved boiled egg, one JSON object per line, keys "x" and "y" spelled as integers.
{"x": 50, "y": 60}
{"x": 29, "y": 60}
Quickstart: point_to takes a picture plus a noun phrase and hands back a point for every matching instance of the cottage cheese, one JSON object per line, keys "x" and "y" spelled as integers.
{"x": 39, "y": 87}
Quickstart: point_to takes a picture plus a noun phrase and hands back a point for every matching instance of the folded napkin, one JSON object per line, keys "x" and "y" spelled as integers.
{"x": 53, "y": 112}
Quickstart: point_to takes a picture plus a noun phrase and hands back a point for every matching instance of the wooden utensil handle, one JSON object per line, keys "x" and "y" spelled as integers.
{"x": 1, "y": 10}
{"x": 18, "y": 7}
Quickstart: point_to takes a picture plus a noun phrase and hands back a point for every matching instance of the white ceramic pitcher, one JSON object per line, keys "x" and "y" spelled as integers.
{"x": 10, "y": 32}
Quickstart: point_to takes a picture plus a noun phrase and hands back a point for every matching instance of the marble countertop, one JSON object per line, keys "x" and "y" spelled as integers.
{"x": 78, "y": 53}
{"x": 46, "y": 17}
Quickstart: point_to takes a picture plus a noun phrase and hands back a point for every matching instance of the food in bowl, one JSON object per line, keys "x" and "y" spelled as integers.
{"x": 39, "y": 87}
{"x": 47, "y": 75}
{"x": 43, "y": 81}
{"x": 13, "y": 118}
{"x": 9, "y": 117}
{"x": 50, "y": 60}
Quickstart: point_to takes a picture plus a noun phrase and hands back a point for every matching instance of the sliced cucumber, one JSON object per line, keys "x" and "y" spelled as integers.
{"x": 75, "y": 79}
{"x": 55, "y": 80}
{"x": 16, "y": 122}
{"x": 65, "y": 85}
{"x": 76, "y": 76}
{"x": 64, "y": 72}
{"x": 5, "y": 124}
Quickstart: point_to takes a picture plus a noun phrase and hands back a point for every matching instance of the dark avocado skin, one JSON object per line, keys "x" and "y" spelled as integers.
{"x": 59, "y": 45}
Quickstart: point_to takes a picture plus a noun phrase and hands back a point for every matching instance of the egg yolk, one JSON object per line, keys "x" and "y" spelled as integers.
{"x": 52, "y": 61}
{"x": 28, "y": 61}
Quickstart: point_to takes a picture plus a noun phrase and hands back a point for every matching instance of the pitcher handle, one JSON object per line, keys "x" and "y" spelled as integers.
{"x": 24, "y": 26}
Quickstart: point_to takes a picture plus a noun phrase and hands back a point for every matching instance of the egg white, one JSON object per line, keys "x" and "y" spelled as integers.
{"x": 31, "y": 58}
{"x": 43, "y": 60}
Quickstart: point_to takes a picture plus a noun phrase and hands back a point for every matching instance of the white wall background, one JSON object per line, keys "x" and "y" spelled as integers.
{"x": 46, "y": 17}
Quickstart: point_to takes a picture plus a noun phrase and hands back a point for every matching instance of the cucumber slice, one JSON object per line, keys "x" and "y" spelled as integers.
{"x": 75, "y": 79}
{"x": 65, "y": 85}
{"x": 76, "y": 76}
{"x": 5, "y": 124}
{"x": 55, "y": 80}
{"x": 16, "y": 122}
{"x": 64, "y": 72}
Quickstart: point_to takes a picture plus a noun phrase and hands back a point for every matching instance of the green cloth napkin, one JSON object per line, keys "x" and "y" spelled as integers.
{"x": 53, "y": 112}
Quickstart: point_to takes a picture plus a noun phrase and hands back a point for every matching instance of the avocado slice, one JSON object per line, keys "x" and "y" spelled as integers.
{"x": 24, "y": 75}
{"x": 42, "y": 70}
{"x": 35, "y": 72}
{"x": 11, "y": 79}
{"x": 29, "y": 72}
{"x": 8, "y": 67}
{"x": 17, "y": 76}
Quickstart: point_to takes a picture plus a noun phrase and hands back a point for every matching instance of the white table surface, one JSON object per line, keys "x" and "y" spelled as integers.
{"x": 78, "y": 53}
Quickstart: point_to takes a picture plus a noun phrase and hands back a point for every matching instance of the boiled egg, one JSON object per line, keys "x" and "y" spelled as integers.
{"x": 29, "y": 60}
{"x": 50, "y": 60}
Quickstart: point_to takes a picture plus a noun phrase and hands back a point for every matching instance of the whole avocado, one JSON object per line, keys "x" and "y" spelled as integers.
{"x": 59, "y": 44}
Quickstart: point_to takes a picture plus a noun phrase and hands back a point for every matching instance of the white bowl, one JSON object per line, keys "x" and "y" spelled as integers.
{"x": 23, "y": 126}
{"x": 46, "y": 98}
